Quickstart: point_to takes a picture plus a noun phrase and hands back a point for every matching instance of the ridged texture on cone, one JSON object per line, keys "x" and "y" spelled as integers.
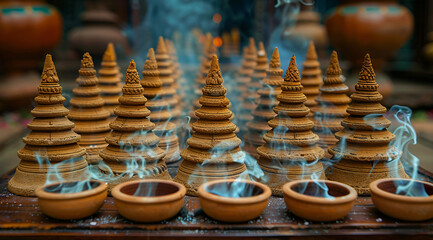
{"x": 110, "y": 80}
{"x": 271, "y": 88}
{"x": 332, "y": 104}
{"x": 209, "y": 50}
{"x": 177, "y": 72}
{"x": 157, "y": 105}
{"x": 213, "y": 150}
{"x": 88, "y": 113}
{"x": 245, "y": 72}
{"x": 363, "y": 149}
{"x": 132, "y": 150}
{"x": 311, "y": 77}
{"x": 291, "y": 150}
{"x": 250, "y": 95}
{"x": 166, "y": 75}
{"x": 51, "y": 146}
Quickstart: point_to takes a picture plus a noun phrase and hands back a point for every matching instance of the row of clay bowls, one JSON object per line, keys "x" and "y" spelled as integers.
{"x": 235, "y": 200}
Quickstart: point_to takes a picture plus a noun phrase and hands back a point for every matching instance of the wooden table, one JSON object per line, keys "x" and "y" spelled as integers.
{"x": 20, "y": 217}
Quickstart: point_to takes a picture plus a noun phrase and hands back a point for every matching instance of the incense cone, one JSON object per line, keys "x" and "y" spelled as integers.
{"x": 110, "y": 80}
{"x": 51, "y": 141}
{"x": 157, "y": 105}
{"x": 88, "y": 113}
{"x": 250, "y": 96}
{"x": 311, "y": 77}
{"x": 363, "y": 148}
{"x": 213, "y": 150}
{"x": 132, "y": 151}
{"x": 332, "y": 104}
{"x": 271, "y": 88}
{"x": 291, "y": 151}
{"x": 166, "y": 75}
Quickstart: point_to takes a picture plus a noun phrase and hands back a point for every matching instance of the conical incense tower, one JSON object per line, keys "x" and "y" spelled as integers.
{"x": 213, "y": 150}
{"x": 132, "y": 150}
{"x": 291, "y": 149}
{"x": 166, "y": 75}
{"x": 363, "y": 150}
{"x": 51, "y": 148}
{"x": 110, "y": 80}
{"x": 332, "y": 104}
{"x": 210, "y": 51}
{"x": 249, "y": 56}
{"x": 264, "y": 112}
{"x": 88, "y": 113}
{"x": 311, "y": 77}
{"x": 250, "y": 96}
{"x": 157, "y": 105}
{"x": 177, "y": 71}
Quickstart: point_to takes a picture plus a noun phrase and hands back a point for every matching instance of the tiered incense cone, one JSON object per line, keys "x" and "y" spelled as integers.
{"x": 110, "y": 80}
{"x": 166, "y": 75}
{"x": 51, "y": 141}
{"x": 311, "y": 77}
{"x": 132, "y": 152}
{"x": 249, "y": 56}
{"x": 332, "y": 104}
{"x": 213, "y": 151}
{"x": 159, "y": 115}
{"x": 88, "y": 112}
{"x": 291, "y": 151}
{"x": 363, "y": 149}
{"x": 177, "y": 72}
{"x": 210, "y": 51}
{"x": 264, "y": 112}
{"x": 250, "y": 95}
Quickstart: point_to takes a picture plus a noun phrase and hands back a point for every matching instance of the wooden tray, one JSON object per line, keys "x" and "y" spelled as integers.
{"x": 20, "y": 217}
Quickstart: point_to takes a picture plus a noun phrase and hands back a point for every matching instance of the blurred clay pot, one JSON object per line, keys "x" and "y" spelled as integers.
{"x": 402, "y": 206}
{"x": 149, "y": 200}
{"x": 74, "y": 205}
{"x": 250, "y": 201}
{"x": 308, "y": 200}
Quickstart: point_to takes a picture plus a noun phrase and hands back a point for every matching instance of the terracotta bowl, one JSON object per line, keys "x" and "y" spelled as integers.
{"x": 149, "y": 200}
{"x": 62, "y": 201}
{"x": 306, "y": 199}
{"x": 418, "y": 207}
{"x": 248, "y": 204}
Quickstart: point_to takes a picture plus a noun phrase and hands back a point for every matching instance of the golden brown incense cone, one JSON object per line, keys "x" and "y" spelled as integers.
{"x": 249, "y": 56}
{"x": 213, "y": 150}
{"x": 158, "y": 106}
{"x": 51, "y": 146}
{"x": 132, "y": 151}
{"x": 88, "y": 113}
{"x": 332, "y": 104}
{"x": 311, "y": 77}
{"x": 363, "y": 150}
{"x": 250, "y": 95}
{"x": 166, "y": 75}
{"x": 110, "y": 80}
{"x": 271, "y": 88}
{"x": 291, "y": 151}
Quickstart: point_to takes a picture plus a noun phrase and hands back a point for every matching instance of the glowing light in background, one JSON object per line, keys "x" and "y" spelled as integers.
{"x": 218, "y": 42}
{"x": 217, "y": 18}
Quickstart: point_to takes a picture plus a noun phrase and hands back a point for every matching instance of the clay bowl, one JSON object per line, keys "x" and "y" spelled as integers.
{"x": 71, "y": 200}
{"x": 417, "y": 207}
{"x": 306, "y": 199}
{"x": 149, "y": 200}
{"x": 247, "y": 204}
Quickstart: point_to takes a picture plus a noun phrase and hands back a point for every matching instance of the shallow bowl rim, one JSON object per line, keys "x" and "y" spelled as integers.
{"x": 289, "y": 192}
{"x": 374, "y": 188}
{"x": 42, "y": 194}
{"x": 264, "y": 196}
{"x": 119, "y": 195}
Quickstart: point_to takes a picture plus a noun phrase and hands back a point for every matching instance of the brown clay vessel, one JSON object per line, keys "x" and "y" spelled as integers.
{"x": 149, "y": 200}
{"x": 232, "y": 200}
{"x": 413, "y": 203}
{"x": 71, "y": 200}
{"x": 319, "y": 200}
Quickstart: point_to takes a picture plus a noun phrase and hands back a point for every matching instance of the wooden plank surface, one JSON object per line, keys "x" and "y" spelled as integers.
{"x": 20, "y": 217}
